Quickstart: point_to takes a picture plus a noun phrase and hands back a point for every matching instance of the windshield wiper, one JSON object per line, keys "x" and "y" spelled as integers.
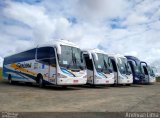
{"x": 75, "y": 61}
{"x": 79, "y": 64}
{"x": 106, "y": 66}
{"x": 69, "y": 65}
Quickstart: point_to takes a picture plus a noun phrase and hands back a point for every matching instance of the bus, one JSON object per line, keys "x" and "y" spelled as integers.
{"x": 152, "y": 76}
{"x": 60, "y": 63}
{"x": 122, "y": 70}
{"x": 99, "y": 67}
{"x": 139, "y": 70}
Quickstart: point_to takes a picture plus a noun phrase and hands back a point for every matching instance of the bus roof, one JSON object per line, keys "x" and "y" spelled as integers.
{"x": 50, "y": 44}
{"x": 132, "y": 57}
{"x": 117, "y": 55}
{"x": 95, "y": 51}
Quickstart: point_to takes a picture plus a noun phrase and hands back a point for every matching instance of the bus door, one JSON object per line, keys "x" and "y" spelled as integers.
{"x": 115, "y": 70}
{"x": 47, "y": 62}
{"x": 90, "y": 69}
{"x": 52, "y": 66}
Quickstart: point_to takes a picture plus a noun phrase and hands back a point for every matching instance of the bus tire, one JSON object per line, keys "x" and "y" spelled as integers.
{"x": 41, "y": 82}
{"x": 64, "y": 87}
{"x": 92, "y": 86}
{"x": 10, "y": 79}
{"x": 28, "y": 83}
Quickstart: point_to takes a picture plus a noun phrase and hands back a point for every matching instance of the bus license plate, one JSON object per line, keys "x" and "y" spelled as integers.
{"x": 75, "y": 81}
{"x": 107, "y": 81}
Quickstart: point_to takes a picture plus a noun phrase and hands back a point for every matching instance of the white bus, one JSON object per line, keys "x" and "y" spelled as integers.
{"x": 60, "y": 63}
{"x": 152, "y": 76}
{"x": 99, "y": 67}
{"x": 149, "y": 74}
{"x": 122, "y": 70}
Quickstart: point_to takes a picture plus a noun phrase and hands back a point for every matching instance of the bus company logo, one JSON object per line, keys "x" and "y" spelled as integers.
{"x": 24, "y": 65}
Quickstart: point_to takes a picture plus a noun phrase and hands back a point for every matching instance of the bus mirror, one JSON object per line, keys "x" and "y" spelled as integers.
{"x": 90, "y": 56}
{"x": 109, "y": 61}
{"x": 95, "y": 56}
{"x": 128, "y": 66}
{"x": 82, "y": 57}
{"x": 59, "y": 49}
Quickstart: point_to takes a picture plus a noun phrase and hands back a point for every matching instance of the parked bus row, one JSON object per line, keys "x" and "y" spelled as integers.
{"x": 64, "y": 63}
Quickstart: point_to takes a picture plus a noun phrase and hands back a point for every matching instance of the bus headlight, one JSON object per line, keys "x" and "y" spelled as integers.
{"x": 136, "y": 78}
{"x": 97, "y": 77}
{"x": 120, "y": 77}
{"x": 61, "y": 76}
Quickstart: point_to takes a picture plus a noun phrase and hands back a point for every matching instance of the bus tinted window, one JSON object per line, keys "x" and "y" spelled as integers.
{"x": 23, "y": 56}
{"x": 46, "y": 54}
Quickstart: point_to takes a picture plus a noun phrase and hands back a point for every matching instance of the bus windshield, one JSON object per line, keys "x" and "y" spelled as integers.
{"x": 122, "y": 65}
{"x": 71, "y": 58}
{"x": 101, "y": 64}
{"x": 137, "y": 68}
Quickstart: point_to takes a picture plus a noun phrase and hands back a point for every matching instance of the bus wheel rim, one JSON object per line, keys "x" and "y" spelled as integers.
{"x": 40, "y": 82}
{"x": 10, "y": 81}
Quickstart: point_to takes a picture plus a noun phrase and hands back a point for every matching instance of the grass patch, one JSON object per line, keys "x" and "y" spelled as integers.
{"x": 158, "y": 79}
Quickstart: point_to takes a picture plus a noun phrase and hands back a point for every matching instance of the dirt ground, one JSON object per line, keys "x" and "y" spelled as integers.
{"x": 30, "y": 98}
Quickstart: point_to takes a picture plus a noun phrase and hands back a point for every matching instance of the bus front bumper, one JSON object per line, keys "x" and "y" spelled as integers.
{"x": 71, "y": 81}
{"x": 104, "y": 81}
{"x": 125, "y": 81}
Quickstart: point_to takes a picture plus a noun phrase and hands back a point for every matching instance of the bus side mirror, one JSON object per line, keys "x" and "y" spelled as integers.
{"x": 58, "y": 49}
{"x": 95, "y": 56}
{"x": 82, "y": 57}
{"x": 90, "y": 55}
{"x": 109, "y": 61}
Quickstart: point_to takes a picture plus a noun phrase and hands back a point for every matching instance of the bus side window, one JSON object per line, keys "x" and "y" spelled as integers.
{"x": 46, "y": 55}
{"x": 89, "y": 62}
{"x": 52, "y": 56}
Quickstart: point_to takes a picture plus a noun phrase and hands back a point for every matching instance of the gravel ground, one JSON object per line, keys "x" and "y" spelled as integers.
{"x": 135, "y": 98}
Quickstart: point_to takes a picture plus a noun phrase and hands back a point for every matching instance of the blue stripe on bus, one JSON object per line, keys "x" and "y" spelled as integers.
{"x": 67, "y": 72}
{"x": 102, "y": 74}
{"x": 18, "y": 73}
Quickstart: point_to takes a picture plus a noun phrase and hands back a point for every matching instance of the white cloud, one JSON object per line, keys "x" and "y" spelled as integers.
{"x": 135, "y": 19}
{"x": 136, "y": 30}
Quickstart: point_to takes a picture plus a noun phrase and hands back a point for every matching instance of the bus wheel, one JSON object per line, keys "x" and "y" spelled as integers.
{"x": 28, "y": 83}
{"x": 41, "y": 82}
{"x": 92, "y": 86}
{"x": 64, "y": 87}
{"x": 128, "y": 84}
{"x": 10, "y": 79}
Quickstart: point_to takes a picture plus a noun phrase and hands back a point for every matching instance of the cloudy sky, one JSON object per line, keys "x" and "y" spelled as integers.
{"x": 129, "y": 27}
